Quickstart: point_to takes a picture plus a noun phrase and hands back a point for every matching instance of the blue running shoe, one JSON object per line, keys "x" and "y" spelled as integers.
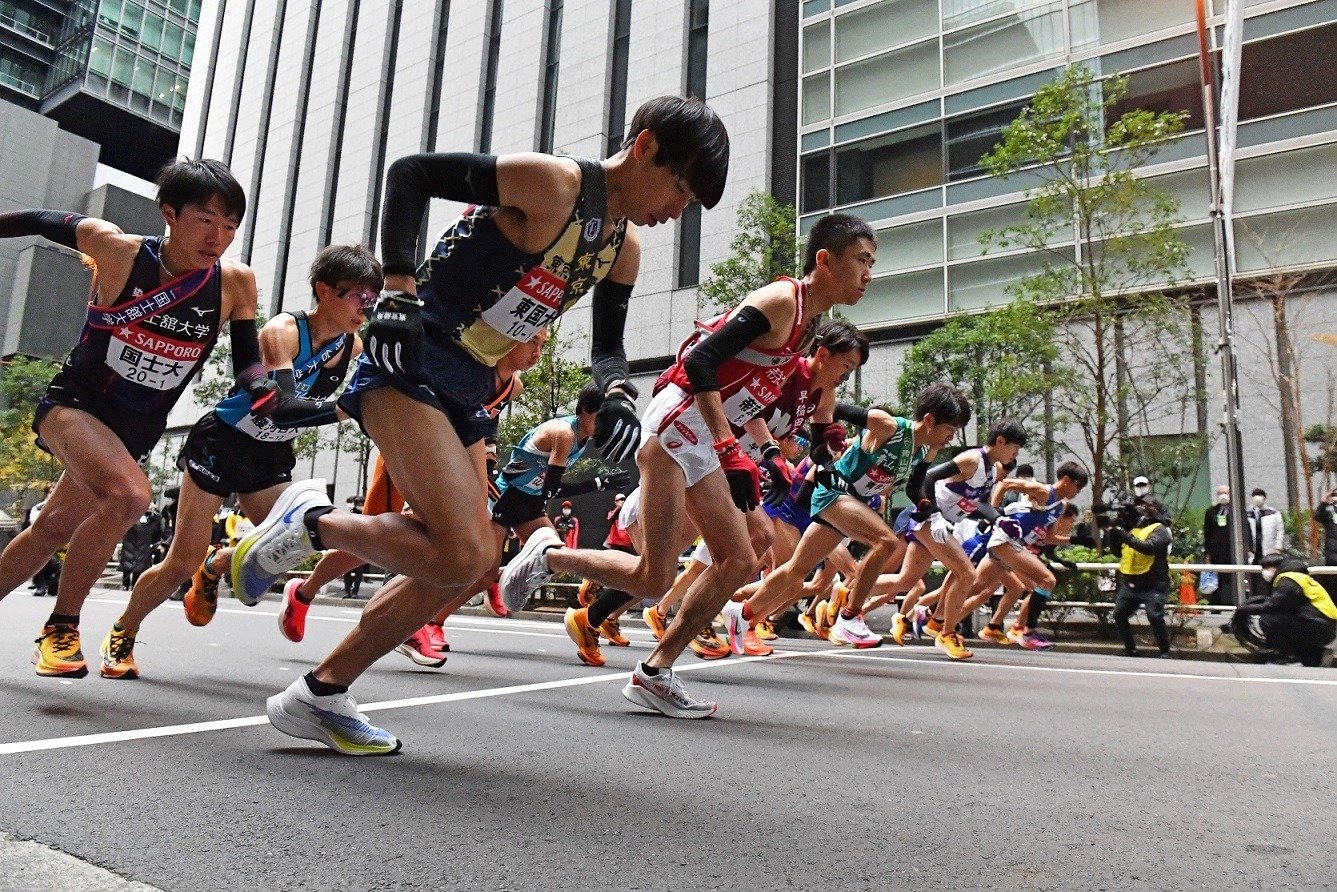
{"x": 278, "y": 544}
{"x": 333, "y": 721}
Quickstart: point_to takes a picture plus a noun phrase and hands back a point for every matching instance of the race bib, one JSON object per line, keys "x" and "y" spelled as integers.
{"x": 874, "y": 481}
{"x": 532, "y": 303}
{"x": 265, "y": 430}
{"x": 750, "y": 401}
{"x": 150, "y": 360}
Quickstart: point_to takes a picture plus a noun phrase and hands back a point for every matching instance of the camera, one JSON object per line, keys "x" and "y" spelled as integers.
{"x": 1125, "y": 515}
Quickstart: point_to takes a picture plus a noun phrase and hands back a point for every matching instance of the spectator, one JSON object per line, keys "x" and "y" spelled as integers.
{"x": 1024, "y": 472}
{"x": 1326, "y": 515}
{"x": 1267, "y": 537}
{"x": 1141, "y": 487}
{"x": 618, "y": 539}
{"x": 1216, "y": 545}
{"x": 1299, "y": 618}
{"x": 137, "y": 546}
{"x": 568, "y": 526}
{"x": 1144, "y": 574}
{"x": 353, "y": 578}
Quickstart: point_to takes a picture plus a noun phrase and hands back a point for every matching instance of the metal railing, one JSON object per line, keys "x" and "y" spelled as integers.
{"x": 28, "y": 31}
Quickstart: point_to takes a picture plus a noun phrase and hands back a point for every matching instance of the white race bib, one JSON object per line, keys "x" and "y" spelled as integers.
{"x": 149, "y": 359}
{"x": 531, "y": 304}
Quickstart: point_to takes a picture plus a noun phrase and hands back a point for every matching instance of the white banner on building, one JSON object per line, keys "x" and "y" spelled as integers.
{"x": 1230, "y": 104}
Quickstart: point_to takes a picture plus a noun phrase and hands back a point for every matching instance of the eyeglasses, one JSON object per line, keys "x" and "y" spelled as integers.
{"x": 365, "y": 297}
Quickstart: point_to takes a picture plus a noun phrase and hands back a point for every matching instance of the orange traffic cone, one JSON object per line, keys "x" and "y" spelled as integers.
{"x": 1188, "y": 592}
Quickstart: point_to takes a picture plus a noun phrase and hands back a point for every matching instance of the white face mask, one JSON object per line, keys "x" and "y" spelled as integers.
{"x": 1141, "y": 489}
{"x": 1259, "y": 501}
{"x": 1269, "y": 574}
{"x": 1223, "y": 498}
{"x": 566, "y": 512}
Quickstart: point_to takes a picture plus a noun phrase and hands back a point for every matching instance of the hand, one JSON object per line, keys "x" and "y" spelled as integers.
{"x": 923, "y": 511}
{"x": 776, "y": 480}
{"x": 617, "y": 430}
{"x": 264, "y": 398}
{"x": 394, "y": 338}
{"x": 832, "y": 481}
{"x": 615, "y": 479}
{"x": 743, "y": 475}
{"x": 834, "y": 438}
{"x": 941, "y": 528}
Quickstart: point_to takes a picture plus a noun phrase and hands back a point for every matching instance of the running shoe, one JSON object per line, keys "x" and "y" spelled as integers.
{"x": 933, "y": 626}
{"x": 292, "y": 615}
{"x": 528, "y": 570}
{"x": 665, "y": 693}
{"x": 918, "y": 622}
{"x": 657, "y": 622}
{"x": 436, "y": 636}
{"x": 1016, "y": 634}
{"x": 495, "y": 605}
{"x": 997, "y": 636}
{"x": 808, "y": 625}
{"x": 900, "y": 628}
{"x": 709, "y": 646}
{"x": 735, "y": 627}
{"x": 588, "y": 591}
{"x": 118, "y": 655}
{"x": 57, "y": 654}
{"x": 826, "y": 617}
{"x": 854, "y": 632}
{"x": 766, "y": 631}
{"x": 201, "y": 601}
{"x": 278, "y": 544}
{"x": 953, "y": 646}
{"x": 1036, "y": 641}
{"x": 418, "y": 648}
{"x": 753, "y": 646}
{"x": 334, "y": 721}
{"x": 586, "y": 638}
{"x": 612, "y": 630}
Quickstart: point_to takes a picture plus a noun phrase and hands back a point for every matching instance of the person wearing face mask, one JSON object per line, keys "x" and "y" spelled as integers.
{"x": 1141, "y": 487}
{"x": 1326, "y": 515}
{"x": 1299, "y": 618}
{"x": 1267, "y": 536}
{"x": 1144, "y": 574}
{"x": 1216, "y": 522}
{"x": 568, "y": 526}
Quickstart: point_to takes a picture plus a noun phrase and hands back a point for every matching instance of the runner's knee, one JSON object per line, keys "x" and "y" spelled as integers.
{"x": 124, "y": 499}
{"x": 461, "y": 560}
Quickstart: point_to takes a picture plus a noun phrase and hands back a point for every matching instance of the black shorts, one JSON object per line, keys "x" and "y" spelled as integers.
{"x": 517, "y": 507}
{"x": 137, "y": 431}
{"x": 223, "y": 460}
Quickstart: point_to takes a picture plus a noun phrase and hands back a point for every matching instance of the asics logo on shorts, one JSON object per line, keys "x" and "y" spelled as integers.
{"x": 686, "y": 432}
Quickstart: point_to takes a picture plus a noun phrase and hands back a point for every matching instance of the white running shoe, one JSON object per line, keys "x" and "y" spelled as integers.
{"x": 528, "y": 570}
{"x": 278, "y": 544}
{"x": 854, "y": 632}
{"x": 734, "y": 625}
{"x": 665, "y": 693}
{"x": 333, "y": 721}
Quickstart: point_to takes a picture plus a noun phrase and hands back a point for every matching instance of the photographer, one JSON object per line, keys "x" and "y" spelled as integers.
{"x": 1144, "y": 570}
{"x": 1299, "y": 619}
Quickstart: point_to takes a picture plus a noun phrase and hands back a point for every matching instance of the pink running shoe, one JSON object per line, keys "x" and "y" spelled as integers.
{"x": 1036, "y": 641}
{"x": 292, "y": 616}
{"x": 436, "y": 636}
{"x": 494, "y": 602}
{"x": 419, "y": 649}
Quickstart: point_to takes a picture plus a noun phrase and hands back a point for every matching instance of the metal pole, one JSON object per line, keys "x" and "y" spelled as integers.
{"x": 1225, "y": 346}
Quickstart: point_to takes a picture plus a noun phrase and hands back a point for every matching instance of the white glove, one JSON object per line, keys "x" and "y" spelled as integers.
{"x": 941, "y": 528}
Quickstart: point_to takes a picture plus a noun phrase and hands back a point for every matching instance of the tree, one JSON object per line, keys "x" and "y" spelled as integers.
{"x": 23, "y": 466}
{"x": 1107, "y": 248}
{"x": 765, "y": 246}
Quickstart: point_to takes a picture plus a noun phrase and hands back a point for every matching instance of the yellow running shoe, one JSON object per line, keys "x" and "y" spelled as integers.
{"x": 578, "y": 626}
{"x": 57, "y": 654}
{"x": 118, "y": 655}
{"x": 656, "y": 621}
{"x": 953, "y": 646}
{"x": 588, "y": 591}
{"x": 709, "y": 646}
{"x": 933, "y": 626}
{"x": 808, "y": 625}
{"x": 612, "y": 630}
{"x": 822, "y": 618}
{"x": 201, "y": 602}
{"x": 997, "y": 636}
{"x": 900, "y": 627}
{"x": 766, "y": 631}
{"x": 841, "y": 598}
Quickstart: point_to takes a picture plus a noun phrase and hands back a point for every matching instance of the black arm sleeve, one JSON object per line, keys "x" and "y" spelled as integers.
{"x": 985, "y": 511}
{"x": 944, "y": 471}
{"x": 916, "y": 481}
{"x": 608, "y": 359}
{"x": 1286, "y": 597}
{"x": 295, "y": 411}
{"x": 246, "y": 365}
{"x": 415, "y": 179}
{"x": 855, "y": 415}
{"x": 571, "y": 489}
{"x": 55, "y": 226}
{"x": 703, "y": 362}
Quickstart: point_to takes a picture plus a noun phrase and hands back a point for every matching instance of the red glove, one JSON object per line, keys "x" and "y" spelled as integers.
{"x": 742, "y": 473}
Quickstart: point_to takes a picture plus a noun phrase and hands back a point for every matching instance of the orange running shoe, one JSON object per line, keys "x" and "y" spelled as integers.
{"x": 900, "y": 627}
{"x": 709, "y": 646}
{"x": 201, "y": 602}
{"x": 588, "y": 591}
{"x": 118, "y": 655}
{"x": 577, "y": 622}
{"x": 657, "y": 622}
{"x": 997, "y": 636}
{"x": 612, "y": 630}
{"x": 754, "y": 646}
{"x": 933, "y": 626}
{"x": 766, "y": 631}
{"x": 953, "y": 646}
{"x": 807, "y": 623}
{"x": 57, "y": 654}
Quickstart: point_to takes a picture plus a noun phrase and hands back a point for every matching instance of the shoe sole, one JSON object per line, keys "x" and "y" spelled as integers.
{"x": 294, "y": 727}
{"x": 247, "y": 543}
{"x": 641, "y": 697}
{"x": 573, "y": 632}
{"x": 709, "y": 655}
{"x": 128, "y": 674}
{"x": 960, "y": 659}
{"x": 418, "y": 658}
{"x": 510, "y": 585}
{"x": 656, "y": 629}
{"x": 68, "y": 673}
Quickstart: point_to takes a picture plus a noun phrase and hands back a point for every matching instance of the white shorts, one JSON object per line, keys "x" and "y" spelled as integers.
{"x": 631, "y": 509}
{"x": 675, "y": 419}
{"x": 1000, "y": 537}
{"x": 702, "y": 553}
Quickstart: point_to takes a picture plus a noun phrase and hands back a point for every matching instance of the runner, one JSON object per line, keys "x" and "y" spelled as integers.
{"x": 691, "y": 464}
{"x": 156, "y": 309}
{"x": 539, "y": 233}
{"x": 229, "y": 450}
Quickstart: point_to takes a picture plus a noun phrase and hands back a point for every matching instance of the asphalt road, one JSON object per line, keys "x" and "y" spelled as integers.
{"x": 523, "y": 769}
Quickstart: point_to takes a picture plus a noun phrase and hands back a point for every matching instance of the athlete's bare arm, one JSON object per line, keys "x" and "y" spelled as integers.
{"x": 240, "y": 294}
{"x": 881, "y": 428}
{"x": 557, "y": 439}
{"x": 279, "y": 342}
{"x": 113, "y": 254}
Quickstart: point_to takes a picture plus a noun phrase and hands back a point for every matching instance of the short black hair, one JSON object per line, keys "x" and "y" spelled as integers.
{"x": 590, "y": 399}
{"x": 693, "y": 142}
{"x": 352, "y": 264}
{"x": 1009, "y": 429}
{"x": 835, "y": 233}
{"x": 183, "y": 181}
{"x": 945, "y": 403}
{"x": 1071, "y": 510}
{"x": 1259, "y": 492}
{"x": 839, "y": 336}
{"x": 1025, "y": 471}
{"x": 1074, "y": 472}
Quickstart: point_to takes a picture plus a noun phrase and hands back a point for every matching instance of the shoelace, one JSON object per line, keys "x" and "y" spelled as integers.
{"x": 121, "y": 646}
{"x": 282, "y": 549}
{"x": 62, "y": 638}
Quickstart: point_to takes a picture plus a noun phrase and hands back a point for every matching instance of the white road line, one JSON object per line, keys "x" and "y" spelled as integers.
{"x": 864, "y": 655}
{"x": 57, "y": 743}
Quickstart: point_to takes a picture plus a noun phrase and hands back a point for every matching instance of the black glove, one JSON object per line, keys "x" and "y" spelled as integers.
{"x": 924, "y": 510}
{"x": 617, "y": 430}
{"x": 775, "y": 476}
{"x": 264, "y": 398}
{"x": 615, "y": 479}
{"x": 394, "y": 338}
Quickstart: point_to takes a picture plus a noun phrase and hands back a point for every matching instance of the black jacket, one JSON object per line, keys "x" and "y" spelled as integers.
{"x": 1157, "y": 545}
{"x": 1327, "y": 515}
{"x": 1216, "y": 538}
{"x": 1288, "y": 598}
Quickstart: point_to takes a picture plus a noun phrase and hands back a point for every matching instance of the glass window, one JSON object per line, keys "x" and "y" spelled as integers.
{"x": 817, "y": 98}
{"x": 188, "y": 48}
{"x": 151, "y": 35}
{"x": 171, "y": 41}
{"x": 973, "y": 286}
{"x": 617, "y": 80}
{"x": 109, "y": 12}
{"x": 698, "y": 30}
{"x": 963, "y": 230}
{"x": 905, "y": 247}
{"x": 888, "y": 165}
{"x": 816, "y": 46}
{"x": 132, "y": 16}
{"x": 889, "y": 23}
{"x": 1286, "y": 178}
{"x": 689, "y": 246}
{"x": 1166, "y": 88}
{"x": 1271, "y": 82}
{"x": 122, "y": 66}
{"x": 99, "y": 59}
{"x": 896, "y": 298}
{"x": 815, "y": 182}
{"x": 1301, "y": 237}
{"x": 887, "y": 78}
{"x": 971, "y": 137}
{"x": 958, "y": 13}
{"x": 1004, "y": 43}
{"x": 142, "y": 80}
{"x": 1109, "y": 21}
